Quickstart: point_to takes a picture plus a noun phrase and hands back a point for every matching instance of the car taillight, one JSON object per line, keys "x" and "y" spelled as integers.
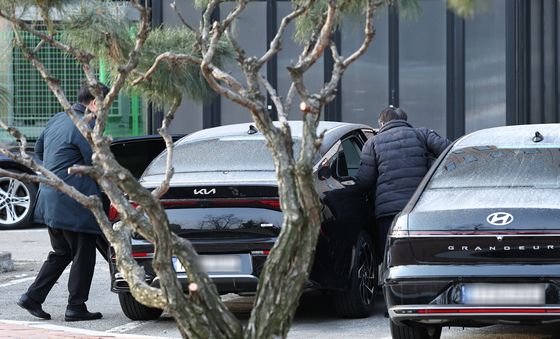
{"x": 142, "y": 254}
{"x": 114, "y": 214}
{"x": 265, "y": 203}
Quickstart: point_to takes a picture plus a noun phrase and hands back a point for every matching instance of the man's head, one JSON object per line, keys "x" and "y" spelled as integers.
{"x": 391, "y": 113}
{"x": 86, "y": 98}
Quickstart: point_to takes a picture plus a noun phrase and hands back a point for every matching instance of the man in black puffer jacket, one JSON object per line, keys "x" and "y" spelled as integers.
{"x": 393, "y": 163}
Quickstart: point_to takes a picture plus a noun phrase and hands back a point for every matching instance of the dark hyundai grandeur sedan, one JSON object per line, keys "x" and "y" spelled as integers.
{"x": 479, "y": 242}
{"x": 224, "y": 199}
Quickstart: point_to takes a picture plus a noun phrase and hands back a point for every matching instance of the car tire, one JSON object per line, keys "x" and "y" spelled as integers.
{"x": 135, "y": 310}
{"x": 414, "y": 332}
{"x": 17, "y": 199}
{"x": 358, "y": 300}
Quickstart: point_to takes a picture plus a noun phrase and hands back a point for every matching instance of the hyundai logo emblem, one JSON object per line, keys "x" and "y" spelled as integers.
{"x": 500, "y": 218}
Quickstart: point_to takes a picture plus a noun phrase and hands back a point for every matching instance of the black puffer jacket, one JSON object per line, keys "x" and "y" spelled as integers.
{"x": 394, "y": 163}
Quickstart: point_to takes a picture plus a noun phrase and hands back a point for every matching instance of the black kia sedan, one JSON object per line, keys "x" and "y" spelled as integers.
{"x": 223, "y": 197}
{"x": 479, "y": 242}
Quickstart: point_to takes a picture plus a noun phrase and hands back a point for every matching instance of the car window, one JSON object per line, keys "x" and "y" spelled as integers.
{"x": 346, "y": 162}
{"x": 137, "y": 154}
{"x": 221, "y": 154}
{"x": 504, "y": 177}
{"x": 353, "y": 153}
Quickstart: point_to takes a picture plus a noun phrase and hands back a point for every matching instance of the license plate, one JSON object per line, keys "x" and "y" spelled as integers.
{"x": 215, "y": 263}
{"x": 503, "y": 294}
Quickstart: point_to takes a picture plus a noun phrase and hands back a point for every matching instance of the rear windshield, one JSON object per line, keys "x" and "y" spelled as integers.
{"x": 223, "y": 154}
{"x": 478, "y": 177}
{"x": 499, "y": 167}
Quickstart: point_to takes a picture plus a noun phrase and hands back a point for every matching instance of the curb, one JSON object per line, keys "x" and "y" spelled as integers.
{"x": 38, "y": 329}
{"x": 6, "y": 263}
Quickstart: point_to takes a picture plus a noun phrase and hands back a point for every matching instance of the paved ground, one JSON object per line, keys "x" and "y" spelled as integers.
{"x": 38, "y": 330}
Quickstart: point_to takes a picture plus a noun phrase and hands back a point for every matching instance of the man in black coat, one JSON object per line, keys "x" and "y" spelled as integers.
{"x": 393, "y": 163}
{"x": 73, "y": 230}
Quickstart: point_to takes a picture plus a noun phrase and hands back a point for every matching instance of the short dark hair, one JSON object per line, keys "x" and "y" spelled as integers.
{"x": 85, "y": 96}
{"x": 392, "y": 113}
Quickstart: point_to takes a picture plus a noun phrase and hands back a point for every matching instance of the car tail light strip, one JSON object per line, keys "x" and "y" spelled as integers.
{"x": 444, "y": 234}
{"x": 266, "y": 203}
{"x": 496, "y": 310}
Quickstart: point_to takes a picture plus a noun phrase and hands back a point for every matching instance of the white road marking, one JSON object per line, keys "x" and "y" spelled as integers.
{"x": 78, "y": 331}
{"x": 128, "y": 326}
{"x": 32, "y": 230}
{"x": 16, "y": 281}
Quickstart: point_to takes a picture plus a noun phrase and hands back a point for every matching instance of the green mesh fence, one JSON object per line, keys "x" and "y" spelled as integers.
{"x": 32, "y": 103}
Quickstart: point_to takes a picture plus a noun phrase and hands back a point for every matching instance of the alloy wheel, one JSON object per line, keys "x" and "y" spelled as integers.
{"x": 366, "y": 273}
{"x": 15, "y": 201}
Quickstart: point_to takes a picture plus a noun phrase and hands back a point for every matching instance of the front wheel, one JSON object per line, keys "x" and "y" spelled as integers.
{"x": 135, "y": 310}
{"x": 17, "y": 199}
{"x": 358, "y": 300}
{"x": 415, "y": 332}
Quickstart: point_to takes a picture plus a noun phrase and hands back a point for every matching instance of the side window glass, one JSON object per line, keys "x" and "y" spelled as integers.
{"x": 368, "y": 133}
{"x": 352, "y": 155}
{"x": 340, "y": 163}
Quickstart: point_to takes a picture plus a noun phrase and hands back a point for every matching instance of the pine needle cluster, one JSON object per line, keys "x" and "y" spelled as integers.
{"x": 109, "y": 34}
{"x": 174, "y": 77}
{"x": 100, "y": 30}
{"x": 468, "y": 8}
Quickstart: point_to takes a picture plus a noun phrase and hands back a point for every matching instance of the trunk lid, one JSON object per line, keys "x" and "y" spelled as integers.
{"x": 496, "y": 235}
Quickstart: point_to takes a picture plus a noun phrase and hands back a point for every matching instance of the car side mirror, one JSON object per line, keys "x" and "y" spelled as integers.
{"x": 324, "y": 173}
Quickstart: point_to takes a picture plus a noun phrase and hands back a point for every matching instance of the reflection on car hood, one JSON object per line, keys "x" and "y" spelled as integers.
{"x": 213, "y": 178}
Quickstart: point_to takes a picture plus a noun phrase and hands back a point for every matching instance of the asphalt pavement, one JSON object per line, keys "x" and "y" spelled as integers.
{"x": 314, "y": 318}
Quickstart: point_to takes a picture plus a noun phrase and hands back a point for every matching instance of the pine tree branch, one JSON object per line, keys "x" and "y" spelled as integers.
{"x": 275, "y": 44}
{"x": 289, "y": 99}
{"x": 322, "y": 40}
{"x": 274, "y": 97}
{"x": 207, "y": 20}
{"x": 340, "y": 64}
{"x": 21, "y": 24}
{"x": 169, "y": 170}
{"x": 53, "y": 85}
{"x": 167, "y": 56}
{"x": 173, "y": 6}
{"x": 124, "y": 71}
{"x": 239, "y": 52}
{"x": 213, "y": 74}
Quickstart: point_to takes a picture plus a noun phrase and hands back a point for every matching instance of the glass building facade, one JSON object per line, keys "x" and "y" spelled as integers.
{"x": 450, "y": 74}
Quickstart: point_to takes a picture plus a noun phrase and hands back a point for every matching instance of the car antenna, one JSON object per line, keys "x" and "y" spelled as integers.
{"x": 252, "y": 130}
{"x": 538, "y": 137}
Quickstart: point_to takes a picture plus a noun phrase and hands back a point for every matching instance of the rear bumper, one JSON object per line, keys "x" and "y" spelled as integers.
{"x": 432, "y": 294}
{"x": 461, "y": 315}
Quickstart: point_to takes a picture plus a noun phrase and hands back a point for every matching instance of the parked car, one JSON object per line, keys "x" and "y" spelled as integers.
{"x": 479, "y": 241}
{"x": 17, "y": 198}
{"x": 223, "y": 197}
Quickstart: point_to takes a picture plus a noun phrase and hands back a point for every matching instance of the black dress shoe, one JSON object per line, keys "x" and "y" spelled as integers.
{"x": 82, "y": 315}
{"x": 32, "y": 307}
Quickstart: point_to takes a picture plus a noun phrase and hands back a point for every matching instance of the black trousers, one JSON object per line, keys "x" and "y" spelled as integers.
{"x": 75, "y": 247}
{"x": 383, "y": 224}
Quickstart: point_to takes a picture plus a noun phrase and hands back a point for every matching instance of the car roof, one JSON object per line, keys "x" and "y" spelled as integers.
{"x": 516, "y": 136}
{"x": 333, "y": 131}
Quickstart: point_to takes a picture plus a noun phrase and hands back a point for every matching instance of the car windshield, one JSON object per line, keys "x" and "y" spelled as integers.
{"x": 220, "y": 154}
{"x": 488, "y": 176}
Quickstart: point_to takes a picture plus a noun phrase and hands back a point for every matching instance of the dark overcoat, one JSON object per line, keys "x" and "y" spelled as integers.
{"x": 60, "y": 146}
{"x": 394, "y": 162}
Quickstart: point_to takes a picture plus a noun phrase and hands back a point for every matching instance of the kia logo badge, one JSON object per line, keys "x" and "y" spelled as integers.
{"x": 500, "y": 218}
{"x": 204, "y": 191}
